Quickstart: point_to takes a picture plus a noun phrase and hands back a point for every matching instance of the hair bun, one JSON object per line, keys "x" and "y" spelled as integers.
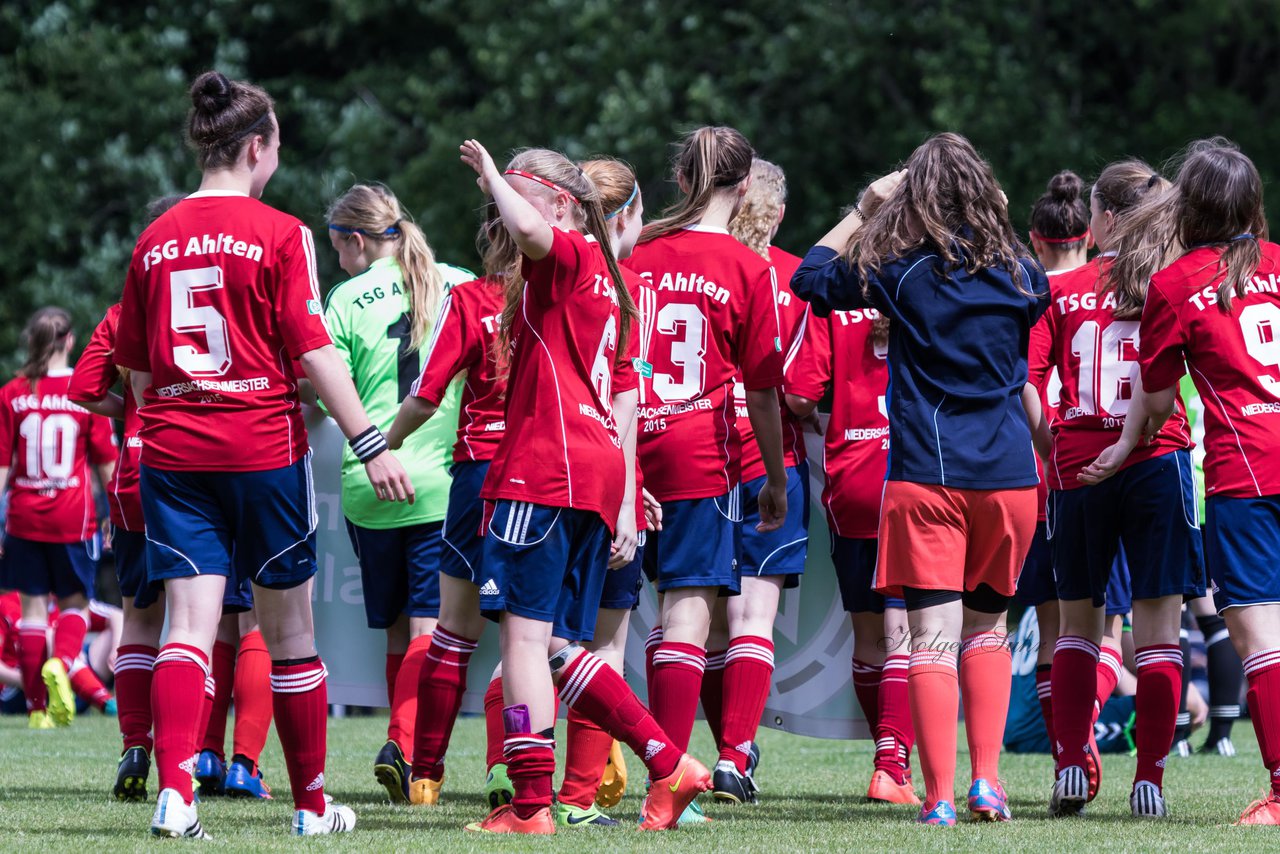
{"x": 1066, "y": 186}
{"x": 211, "y": 92}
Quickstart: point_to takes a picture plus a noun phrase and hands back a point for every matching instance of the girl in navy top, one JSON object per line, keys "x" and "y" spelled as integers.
{"x": 931, "y": 246}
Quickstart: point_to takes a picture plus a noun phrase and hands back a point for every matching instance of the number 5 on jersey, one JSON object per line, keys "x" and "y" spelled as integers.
{"x": 185, "y": 316}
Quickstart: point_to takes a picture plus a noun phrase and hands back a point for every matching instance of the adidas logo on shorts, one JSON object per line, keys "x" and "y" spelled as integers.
{"x": 653, "y": 748}
{"x": 490, "y": 588}
{"x": 317, "y": 784}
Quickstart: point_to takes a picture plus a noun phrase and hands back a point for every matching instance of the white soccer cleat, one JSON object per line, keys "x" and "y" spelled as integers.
{"x": 337, "y": 818}
{"x": 174, "y": 819}
{"x": 1070, "y": 792}
{"x": 1147, "y": 802}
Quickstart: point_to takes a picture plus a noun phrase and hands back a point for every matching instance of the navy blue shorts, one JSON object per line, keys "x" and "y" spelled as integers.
{"x": 463, "y": 542}
{"x": 622, "y": 585}
{"x": 545, "y": 563}
{"x": 41, "y": 569}
{"x": 855, "y": 564}
{"x": 1241, "y": 541}
{"x": 130, "y": 548}
{"x": 1035, "y": 582}
{"x": 257, "y": 526}
{"x": 1150, "y": 508}
{"x": 1119, "y": 590}
{"x": 780, "y": 552}
{"x": 400, "y": 570}
{"x": 700, "y": 544}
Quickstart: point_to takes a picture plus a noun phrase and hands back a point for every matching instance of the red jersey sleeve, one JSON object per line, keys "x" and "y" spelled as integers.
{"x": 1040, "y": 351}
{"x": 131, "y": 333}
{"x": 1162, "y": 355}
{"x": 96, "y": 372}
{"x": 297, "y": 298}
{"x": 759, "y": 340}
{"x": 548, "y": 277}
{"x": 102, "y": 441}
{"x": 453, "y": 340}
{"x": 808, "y": 369}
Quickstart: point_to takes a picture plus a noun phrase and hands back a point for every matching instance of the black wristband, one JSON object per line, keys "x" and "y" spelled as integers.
{"x": 368, "y": 444}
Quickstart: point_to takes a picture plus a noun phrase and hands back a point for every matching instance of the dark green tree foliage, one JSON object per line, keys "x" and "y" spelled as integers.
{"x": 93, "y": 100}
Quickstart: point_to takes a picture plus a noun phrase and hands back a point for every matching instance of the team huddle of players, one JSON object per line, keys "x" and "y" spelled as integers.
{"x": 615, "y": 400}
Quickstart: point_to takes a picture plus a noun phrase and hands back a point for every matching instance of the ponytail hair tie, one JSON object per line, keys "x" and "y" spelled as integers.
{"x": 1244, "y": 236}
{"x": 1153, "y": 180}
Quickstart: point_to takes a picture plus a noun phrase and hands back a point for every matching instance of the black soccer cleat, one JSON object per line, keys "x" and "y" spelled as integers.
{"x": 131, "y": 775}
{"x": 391, "y": 770}
{"x": 730, "y": 786}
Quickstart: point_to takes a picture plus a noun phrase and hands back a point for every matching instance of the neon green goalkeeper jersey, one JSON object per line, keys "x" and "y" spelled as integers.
{"x": 1195, "y": 421}
{"x": 367, "y": 317}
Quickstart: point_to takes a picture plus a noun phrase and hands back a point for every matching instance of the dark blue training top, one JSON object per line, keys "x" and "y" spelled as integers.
{"x": 957, "y": 362}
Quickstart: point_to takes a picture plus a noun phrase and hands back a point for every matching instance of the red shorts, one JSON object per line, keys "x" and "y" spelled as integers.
{"x": 938, "y": 538}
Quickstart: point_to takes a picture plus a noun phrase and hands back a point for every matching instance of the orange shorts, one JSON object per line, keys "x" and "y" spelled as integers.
{"x": 939, "y": 538}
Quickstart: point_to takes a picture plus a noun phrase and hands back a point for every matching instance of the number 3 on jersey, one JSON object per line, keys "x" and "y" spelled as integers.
{"x": 186, "y": 316}
{"x": 687, "y": 322}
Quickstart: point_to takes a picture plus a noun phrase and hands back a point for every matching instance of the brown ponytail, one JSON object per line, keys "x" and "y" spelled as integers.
{"x": 710, "y": 160}
{"x": 224, "y": 115}
{"x": 1216, "y": 200}
{"x": 1121, "y": 188}
{"x": 374, "y": 212}
{"x": 44, "y": 335}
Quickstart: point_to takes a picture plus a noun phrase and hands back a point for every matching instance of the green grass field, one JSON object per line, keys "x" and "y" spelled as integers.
{"x": 54, "y": 796}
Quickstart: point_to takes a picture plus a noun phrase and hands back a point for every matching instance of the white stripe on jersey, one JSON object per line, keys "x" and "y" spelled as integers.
{"x": 445, "y": 305}
{"x": 794, "y": 349}
{"x": 1227, "y": 415}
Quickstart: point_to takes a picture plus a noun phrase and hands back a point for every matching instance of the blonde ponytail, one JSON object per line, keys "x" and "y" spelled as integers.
{"x": 374, "y": 212}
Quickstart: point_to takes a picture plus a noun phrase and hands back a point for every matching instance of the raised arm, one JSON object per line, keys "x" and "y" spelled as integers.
{"x": 525, "y": 225}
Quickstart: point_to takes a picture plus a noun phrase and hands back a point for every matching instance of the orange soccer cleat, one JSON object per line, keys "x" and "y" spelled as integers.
{"x": 887, "y": 790}
{"x": 669, "y": 796}
{"x": 425, "y": 792}
{"x": 505, "y": 820}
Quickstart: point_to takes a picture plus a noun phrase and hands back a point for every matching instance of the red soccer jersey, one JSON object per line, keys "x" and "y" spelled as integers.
{"x": 790, "y": 310}
{"x": 711, "y": 316}
{"x": 10, "y": 614}
{"x": 838, "y": 352}
{"x": 1234, "y": 360}
{"x": 561, "y": 446}
{"x": 221, "y": 296}
{"x": 463, "y": 342}
{"x": 626, "y": 375}
{"x": 95, "y": 375}
{"x": 51, "y": 443}
{"x": 1097, "y": 359}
